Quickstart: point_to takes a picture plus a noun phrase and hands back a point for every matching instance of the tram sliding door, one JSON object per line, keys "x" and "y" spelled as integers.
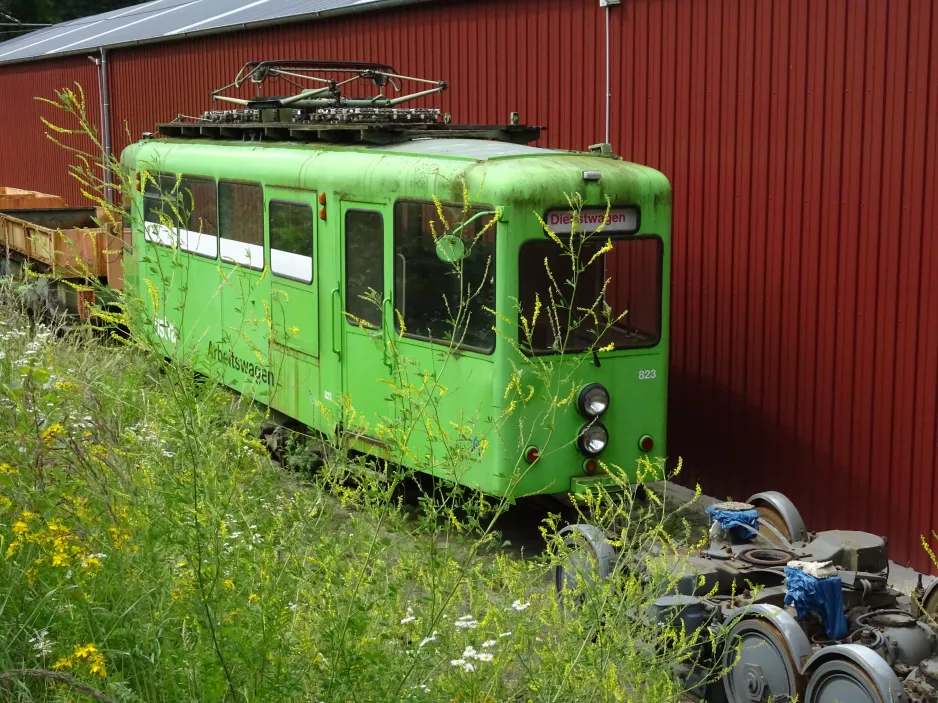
{"x": 294, "y": 303}
{"x": 368, "y": 319}
{"x": 242, "y": 350}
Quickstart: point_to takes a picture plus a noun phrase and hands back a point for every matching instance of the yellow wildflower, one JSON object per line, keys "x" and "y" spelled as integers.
{"x": 51, "y": 431}
{"x": 95, "y": 659}
{"x": 253, "y": 598}
{"x": 20, "y": 527}
{"x": 228, "y": 583}
{"x": 64, "y": 385}
{"x": 29, "y": 516}
{"x": 92, "y": 563}
{"x": 84, "y": 651}
{"x": 56, "y": 526}
{"x": 13, "y": 548}
{"x": 60, "y": 559}
{"x": 32, "y": 573}
{"x": 98, "y": 667}
{"x": 7, "y": 469}
{"x": 63, "y": 663}
{"x": 176, "y": 594}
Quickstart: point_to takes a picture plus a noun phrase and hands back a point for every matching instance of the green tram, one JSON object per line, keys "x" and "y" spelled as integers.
{"x": 303, "y": 230}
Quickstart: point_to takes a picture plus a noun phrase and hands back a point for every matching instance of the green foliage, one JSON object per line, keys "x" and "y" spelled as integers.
{"x": 153, "y": 551}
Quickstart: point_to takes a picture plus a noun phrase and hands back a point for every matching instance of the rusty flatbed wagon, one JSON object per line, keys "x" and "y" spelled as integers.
{"x": 67, "y": 247}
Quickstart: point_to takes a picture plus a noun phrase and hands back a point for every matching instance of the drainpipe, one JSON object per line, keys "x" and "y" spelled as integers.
{"x": 608, "y": 4}
{"x": 106, "y": 120}
{"x": 608, "y": 67}
{"x": 105, "y": 108}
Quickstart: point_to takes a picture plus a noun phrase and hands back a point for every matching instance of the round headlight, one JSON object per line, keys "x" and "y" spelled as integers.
{"x": 593, "y": 439}
{"x": 593, "y": 400}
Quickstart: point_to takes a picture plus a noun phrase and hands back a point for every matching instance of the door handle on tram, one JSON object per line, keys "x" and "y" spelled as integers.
{"x": 387, "y": 329}
{"x": 336, "y": 321}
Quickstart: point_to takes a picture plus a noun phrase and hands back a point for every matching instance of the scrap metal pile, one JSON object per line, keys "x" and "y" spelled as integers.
{"x": 823, "y": 623}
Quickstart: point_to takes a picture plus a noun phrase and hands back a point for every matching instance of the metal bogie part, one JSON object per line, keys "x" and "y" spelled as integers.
{"x": 929, "y": 600}
{"x": 591, "y": 556}
{"x": 851, "y": 672}
{"x": 772, "y": 649}
{"x": 689, "y": 613}
{"x": 776, "y": 509}
{"x": 907, "y": 641}
{"x": 921, "y": 686}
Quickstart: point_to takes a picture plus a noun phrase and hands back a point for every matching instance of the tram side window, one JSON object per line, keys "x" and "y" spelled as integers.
{"x": 364, "y": 266}
{"x": 291, "y": 240}
{"x": 156, "y": 198}
{"x": 441, "y": 300}
{"x": 241, "y": 223}
{"x": 186, "y": 203}
{"x": 196, "y": 202}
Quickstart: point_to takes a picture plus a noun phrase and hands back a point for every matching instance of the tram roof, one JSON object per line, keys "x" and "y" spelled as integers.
{"x": 164, "y": 20}
{"x": 477, "y": 149}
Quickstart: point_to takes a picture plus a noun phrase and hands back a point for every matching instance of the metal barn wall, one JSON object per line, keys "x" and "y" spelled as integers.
{"x": 28, "y": 158}
{"x": 795, "y": 134}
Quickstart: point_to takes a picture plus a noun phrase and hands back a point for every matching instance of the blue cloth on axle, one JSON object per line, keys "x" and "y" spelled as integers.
{"x": 736, "y": 521}
{"x": 822, "y": 597}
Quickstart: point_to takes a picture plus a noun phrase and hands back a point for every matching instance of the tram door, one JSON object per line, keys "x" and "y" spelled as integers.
{"x": 294, "y": 303}
{"x": 368, "y": 316}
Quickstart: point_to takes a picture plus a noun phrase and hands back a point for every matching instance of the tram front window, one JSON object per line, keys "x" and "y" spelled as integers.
{"x": 577, "y": 314}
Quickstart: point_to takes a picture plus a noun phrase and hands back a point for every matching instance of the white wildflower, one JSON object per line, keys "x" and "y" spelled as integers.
{"x": 488, "y": 643}
{"x": 468, "y": 667}
{"x": 505, "y": 634}
{"x": 485, "y": 657}
{"x": 457, "y": 662}
{"x": 466, "y": 622}
{"x": 469, "y": 652}
{"x": 519, "y": 606}
{"x": 410, "y": 617}
{"x": 41, "y": 643}
{"x": 427, "y": 640}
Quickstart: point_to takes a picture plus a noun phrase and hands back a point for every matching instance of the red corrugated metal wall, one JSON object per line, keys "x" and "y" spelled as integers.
{"x": 795, "y": 134}
{"x": 28, "y": 158}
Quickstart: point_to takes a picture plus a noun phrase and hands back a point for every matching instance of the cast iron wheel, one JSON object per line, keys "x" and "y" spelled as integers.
{"x": 840, "y": 680}
{"x": 590, "y": 556}
{"x": 774, "y": 518}
{"x": 766, "y": 669}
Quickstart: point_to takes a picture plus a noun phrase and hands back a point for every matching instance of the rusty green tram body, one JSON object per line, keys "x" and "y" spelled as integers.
{"x": 263, "y": 288}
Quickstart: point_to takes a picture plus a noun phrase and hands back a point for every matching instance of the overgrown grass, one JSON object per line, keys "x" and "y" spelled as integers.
{"x": 152, "y": 550}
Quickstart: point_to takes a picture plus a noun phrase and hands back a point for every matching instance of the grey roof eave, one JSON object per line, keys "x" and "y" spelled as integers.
{"x": 354, "y": 9}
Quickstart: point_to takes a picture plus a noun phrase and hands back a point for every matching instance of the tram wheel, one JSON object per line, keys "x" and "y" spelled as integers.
{"x": 839, "y": 680}
{"x": 590, "y": 558}
{"x": 766, "y": 669}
